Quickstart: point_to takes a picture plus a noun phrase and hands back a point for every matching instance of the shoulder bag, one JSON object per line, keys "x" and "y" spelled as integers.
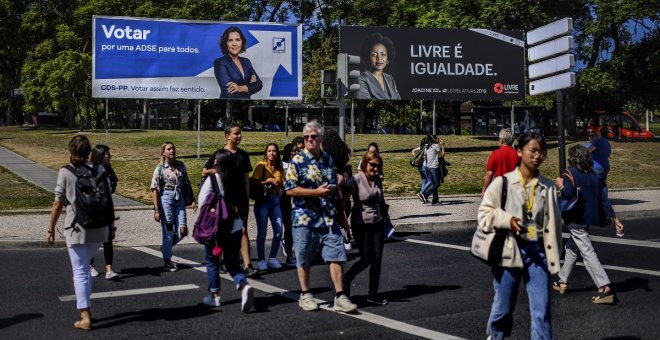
{"x": 258, "y": 191}
{"x": 487, "y": 247}
{"x": 570, "y": 206}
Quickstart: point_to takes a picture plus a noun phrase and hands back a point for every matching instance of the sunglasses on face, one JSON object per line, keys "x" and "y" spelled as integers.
{"x": 374, "y": 164}
{"x": 311, "y": 137}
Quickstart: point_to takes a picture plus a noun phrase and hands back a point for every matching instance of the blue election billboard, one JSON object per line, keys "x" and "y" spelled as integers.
{"x": 172, "y": 59}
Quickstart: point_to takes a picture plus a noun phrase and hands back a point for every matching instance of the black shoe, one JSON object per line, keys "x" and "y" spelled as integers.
{"x": 377, "y": 300}
{"x": 435, "y": 202}
{"x": 221, "y": 267}
{"x": 422, "y": 198}
{"x": 250, "y": 271}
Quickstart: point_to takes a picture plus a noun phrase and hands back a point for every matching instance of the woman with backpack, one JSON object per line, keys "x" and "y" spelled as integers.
{"x": 101, "y": 156}
{"x": 228, "y": 237}
{"x": 581, "y": 175}
{"x": 167, "y": 186}
{"x": 82, "y": 241}
{"x": 532, "y": 220}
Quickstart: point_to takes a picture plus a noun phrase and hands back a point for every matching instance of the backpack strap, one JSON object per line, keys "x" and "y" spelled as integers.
{"x": 505, "y": 189}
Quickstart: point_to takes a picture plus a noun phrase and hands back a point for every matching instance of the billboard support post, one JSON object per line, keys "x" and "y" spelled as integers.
{"x": 106, "y": 121}
{"x": 341, "y": 103}
{"x": 286, "y": 123}
{"x": 434, "y": 129}
{"x": 560, "y": 134}
{"x": 513, "y": 118}
{"x": 199, "y": 126}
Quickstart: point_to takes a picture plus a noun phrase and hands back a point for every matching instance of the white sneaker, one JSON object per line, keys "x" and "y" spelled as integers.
{"x": 247, "y": 298}
{"x": 212, "y": 301}
{"x": 94, "y": 272}
{"x": 344, "y": 304}
{"x": 110, "y": 275}
{"x": 263, "y": 266}
{"x": 348, "y": 245}
{"x": 307, "y": 302}
{"x": 274, "y": 263}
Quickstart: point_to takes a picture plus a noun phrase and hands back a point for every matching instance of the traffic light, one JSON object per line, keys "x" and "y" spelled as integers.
{"x": 328, "y": 84}
{"x": 348, "y": 80}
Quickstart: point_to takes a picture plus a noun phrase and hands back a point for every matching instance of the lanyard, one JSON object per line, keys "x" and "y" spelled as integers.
{"x": 529, "y": 202}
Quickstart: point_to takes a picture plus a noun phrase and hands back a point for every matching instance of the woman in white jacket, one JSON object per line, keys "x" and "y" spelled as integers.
{"x": 531, "y": 250}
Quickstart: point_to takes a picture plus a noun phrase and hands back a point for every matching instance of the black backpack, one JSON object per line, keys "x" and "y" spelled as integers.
{"x": 94, "y": 208}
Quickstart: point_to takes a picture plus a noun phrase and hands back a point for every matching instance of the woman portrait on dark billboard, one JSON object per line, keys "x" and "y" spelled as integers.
{"x": 235, "y": 75}
{"x": 376, "y": 53}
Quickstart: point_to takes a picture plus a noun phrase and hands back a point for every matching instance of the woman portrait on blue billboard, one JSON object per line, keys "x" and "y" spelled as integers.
{"x": 376, "y": 53}
{"x": 235, "y": 75}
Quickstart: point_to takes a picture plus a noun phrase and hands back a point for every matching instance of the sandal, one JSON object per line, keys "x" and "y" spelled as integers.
{"x": 603, "y": 297}
{"x": 559, "y": 286}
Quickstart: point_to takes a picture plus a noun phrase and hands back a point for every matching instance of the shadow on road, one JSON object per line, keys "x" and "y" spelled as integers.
{"x": 16, "y": 319}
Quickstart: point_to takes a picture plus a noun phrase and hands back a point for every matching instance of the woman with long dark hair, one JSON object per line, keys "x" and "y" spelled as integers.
{"x": 101, "y": 156}
{"x": 531, "y": 250}
{"x": 228, "y": 237}
{"x": 581, "y": 175}
{"x": 269, "y": 172}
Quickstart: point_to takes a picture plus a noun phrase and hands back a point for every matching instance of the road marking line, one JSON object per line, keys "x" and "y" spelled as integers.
{"x": 130, "y": 292}
{"x": 445, "y": 245}
{"x": 613, "y": 240}
{"x": 325, "y": 305}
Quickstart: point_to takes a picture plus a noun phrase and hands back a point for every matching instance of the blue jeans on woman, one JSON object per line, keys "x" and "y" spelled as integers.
{"x": 602, "y": 173}
{"x": 172, "y": 217}
{"x": 263, "y": 211}
{"x": 506, "y": 282}
{"x": 231, "y": 247}
{"x": 422, "y": 175}
{"x": 432, "y": 183}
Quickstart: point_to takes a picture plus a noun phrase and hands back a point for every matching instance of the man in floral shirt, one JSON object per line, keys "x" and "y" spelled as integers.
{"x": 311, "y": 181}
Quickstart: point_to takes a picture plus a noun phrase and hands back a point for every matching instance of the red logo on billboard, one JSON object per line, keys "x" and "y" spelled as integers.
{"x": 498, "y": 88}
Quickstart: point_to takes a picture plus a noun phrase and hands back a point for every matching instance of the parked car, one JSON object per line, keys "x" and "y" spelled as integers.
{"x": 620, "y": 125}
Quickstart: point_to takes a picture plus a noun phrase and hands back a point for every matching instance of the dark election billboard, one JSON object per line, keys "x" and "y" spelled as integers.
{"x": 436, "y": 63}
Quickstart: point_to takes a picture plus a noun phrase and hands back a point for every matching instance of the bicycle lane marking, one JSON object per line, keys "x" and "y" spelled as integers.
{"x": 325, "y": 305}
{"x": 619, "y": 268}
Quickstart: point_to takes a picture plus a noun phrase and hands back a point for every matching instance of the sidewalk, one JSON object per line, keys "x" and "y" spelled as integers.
{"x": 137, "y": 227}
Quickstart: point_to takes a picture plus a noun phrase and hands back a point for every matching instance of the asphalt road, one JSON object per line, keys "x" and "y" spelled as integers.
{"x": 436, "y": 289}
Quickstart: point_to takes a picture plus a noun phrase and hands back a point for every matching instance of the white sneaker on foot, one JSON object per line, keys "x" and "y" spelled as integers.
{"x": 344, "y": 304}
{"x": 212, "y": 301}
{"x": 274, "y": 263}
{"x": 307, "y": 302}
{"x": 247, "y": 298}
{"x": 110, "y": 275}
{"x": 93, "y": 272}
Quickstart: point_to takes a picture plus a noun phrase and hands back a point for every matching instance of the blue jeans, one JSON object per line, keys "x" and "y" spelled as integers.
{"x": 422, "y": 175}
{"x": 602, "y": 173}
{"x": 269, "y": 209}
{"x": 432, "y": 183}
{"x": 506, "y": 282}
{"x": 231, "y": 247}
{"x": 172, "y": 217}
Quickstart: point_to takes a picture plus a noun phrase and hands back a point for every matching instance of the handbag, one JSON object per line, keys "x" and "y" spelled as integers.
{"x": 188, "y": 195}
{"x": 258, "y": 191}
{"x": 570, "y": 206}
{"x": 488, "y": 247}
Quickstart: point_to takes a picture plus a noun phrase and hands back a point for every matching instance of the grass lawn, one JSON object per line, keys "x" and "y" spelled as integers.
{"x": 136, "y": 153}
{"x": 17, "y": 193}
